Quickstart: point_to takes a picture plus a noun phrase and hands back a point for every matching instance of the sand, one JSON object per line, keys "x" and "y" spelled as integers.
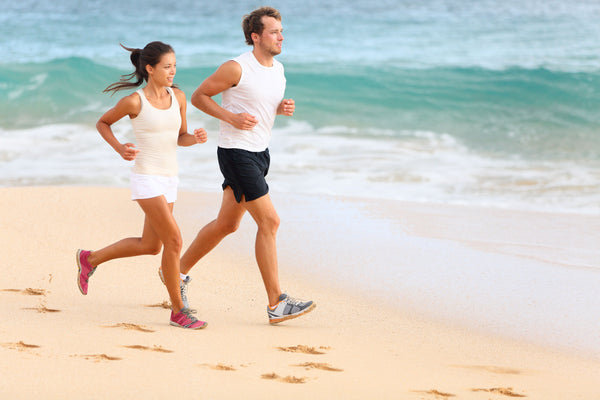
{"x": 116, "y": 341}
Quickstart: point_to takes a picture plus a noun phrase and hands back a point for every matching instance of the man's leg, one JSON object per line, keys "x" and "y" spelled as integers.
{"x": 267, "y": 220}
{"x": 228, "y": 221}
{"x": 281, "y": 306}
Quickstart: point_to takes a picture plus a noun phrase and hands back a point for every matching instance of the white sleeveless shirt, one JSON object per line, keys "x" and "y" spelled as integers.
{"x": 259, "y": 93}
{"x": 156, "y": 133}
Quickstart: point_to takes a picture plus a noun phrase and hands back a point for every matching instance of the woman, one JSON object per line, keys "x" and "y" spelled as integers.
{"x": 158, "y": 115}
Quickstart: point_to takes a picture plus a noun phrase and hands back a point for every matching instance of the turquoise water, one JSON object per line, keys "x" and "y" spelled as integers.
{"x": 493, "y": 103}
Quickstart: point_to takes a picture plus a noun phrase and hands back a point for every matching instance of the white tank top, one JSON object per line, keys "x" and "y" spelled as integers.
{"x": 156, "y": 133}
{"x": 259, "y": 93}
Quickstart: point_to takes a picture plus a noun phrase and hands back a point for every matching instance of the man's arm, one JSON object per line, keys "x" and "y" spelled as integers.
{"x": 225, "y": 77}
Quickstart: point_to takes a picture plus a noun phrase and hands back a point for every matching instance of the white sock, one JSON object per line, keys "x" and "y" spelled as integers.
{"x": 183, "y": 277}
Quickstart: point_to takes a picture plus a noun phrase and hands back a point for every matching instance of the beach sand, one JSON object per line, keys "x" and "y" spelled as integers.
{"x": 116, "y": 341}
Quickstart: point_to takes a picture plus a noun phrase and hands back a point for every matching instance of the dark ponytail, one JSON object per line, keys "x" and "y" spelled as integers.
{"x": 150, "y": 55}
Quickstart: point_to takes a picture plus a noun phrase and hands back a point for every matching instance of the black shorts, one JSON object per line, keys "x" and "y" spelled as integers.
{"x": 244, "y": 171}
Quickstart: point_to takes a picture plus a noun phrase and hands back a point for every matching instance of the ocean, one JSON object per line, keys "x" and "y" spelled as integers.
{"x": 491, "y": 103}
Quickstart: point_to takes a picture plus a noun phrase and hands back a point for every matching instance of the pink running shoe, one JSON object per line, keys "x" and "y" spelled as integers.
{"x": 85, "y": 270}
{"x": 185, "y": 319}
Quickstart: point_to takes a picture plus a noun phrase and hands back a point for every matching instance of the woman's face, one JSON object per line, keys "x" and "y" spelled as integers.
{"x": 163, "y": 72}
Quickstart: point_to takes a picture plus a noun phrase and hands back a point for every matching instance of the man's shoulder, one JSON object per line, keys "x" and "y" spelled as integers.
{"x": 231, "y": 66}
{"x": 277, "y": 64}
{"x": 243, "y": 58}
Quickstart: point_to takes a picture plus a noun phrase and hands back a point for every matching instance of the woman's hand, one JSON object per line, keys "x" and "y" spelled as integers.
{"x": 200, "y": 135}
{"x": 128, "y": 151}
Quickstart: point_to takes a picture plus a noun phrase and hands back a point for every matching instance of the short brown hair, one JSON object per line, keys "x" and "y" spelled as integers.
{"x": 252, "y": 23}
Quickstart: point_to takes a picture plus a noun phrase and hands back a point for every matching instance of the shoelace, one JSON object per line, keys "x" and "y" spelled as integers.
{"x": 293, "y": 301}
{"x": 190, "y": 319}
{"x": 188, "y": 313}
{"x": 184, "y": 288}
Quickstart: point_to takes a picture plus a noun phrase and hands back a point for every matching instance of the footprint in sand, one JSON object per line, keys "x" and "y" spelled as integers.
{"x": 286, "y": 379}
{"x": 308, "y": 365}
{"x": 31, "y": 291}
{"x": 304, "y": 349}
{"x": 165, "y": 304}
{"x": 321, "y": 366}
{"x": 128, "y": 326}
{"x": 503, "y": 391}
{"x": 99, "y": 357}
{"x": 35, "y": 292}
{"x": 158, "y": 349}
{"x": 28, "y": 291}
{"x": 21, "y": 346}
{"x": 41, "y": 309}
{"x": 435, "y": 393}
{"x": 220, "y": 367}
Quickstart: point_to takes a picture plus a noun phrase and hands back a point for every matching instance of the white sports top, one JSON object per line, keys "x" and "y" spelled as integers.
{"x": 259, "y": 93}
{"x": 156, "y": 133}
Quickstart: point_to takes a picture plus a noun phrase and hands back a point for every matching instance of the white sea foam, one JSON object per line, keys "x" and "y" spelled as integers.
{"x": 412, "y": 166}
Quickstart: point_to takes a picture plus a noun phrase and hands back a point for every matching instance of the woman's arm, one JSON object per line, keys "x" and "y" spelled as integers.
{"x": 129, "y": 105}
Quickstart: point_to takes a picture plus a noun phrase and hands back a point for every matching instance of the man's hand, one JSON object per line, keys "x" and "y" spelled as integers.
{"x": 244, "y": 121}
{"x": 287, "y": 107}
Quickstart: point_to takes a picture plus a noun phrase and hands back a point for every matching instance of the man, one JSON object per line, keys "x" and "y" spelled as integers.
{"x": 252, "y": 87}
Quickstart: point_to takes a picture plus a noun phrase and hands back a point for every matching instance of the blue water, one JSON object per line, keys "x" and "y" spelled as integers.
{"x": 490, "y": 103}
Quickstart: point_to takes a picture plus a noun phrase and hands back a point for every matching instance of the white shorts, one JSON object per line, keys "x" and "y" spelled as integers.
{"x": 149, "y": 186}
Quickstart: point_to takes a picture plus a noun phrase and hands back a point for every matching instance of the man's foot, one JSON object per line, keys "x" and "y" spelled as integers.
{"x": 288, "y": 308}
{"x": 185, "y": 319}
{"x": 85, "y": 270}
{"x": 183, "y": 288}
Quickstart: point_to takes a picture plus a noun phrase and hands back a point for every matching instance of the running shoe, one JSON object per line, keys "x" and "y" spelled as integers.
{"x": 185, "y": 319}
{"x": 288, "y": 308}
{"x": 183, "y": 289}
{"x": 85, "y": 270}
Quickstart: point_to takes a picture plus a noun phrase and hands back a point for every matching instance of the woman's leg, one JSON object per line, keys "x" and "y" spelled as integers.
{"x": 159, "y": 215}
{"x": 87, "y": 262}
{"x": 149, "y": 243}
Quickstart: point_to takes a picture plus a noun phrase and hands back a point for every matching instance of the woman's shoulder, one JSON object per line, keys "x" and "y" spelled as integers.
{"x": 179, "y": 94}
{"x": 130, "y": 104}
{"x": 132, "y": 99}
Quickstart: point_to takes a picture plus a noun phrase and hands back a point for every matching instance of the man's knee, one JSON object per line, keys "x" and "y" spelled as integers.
{"x": 270, "y": 223}
{"x": 227, "y": 227}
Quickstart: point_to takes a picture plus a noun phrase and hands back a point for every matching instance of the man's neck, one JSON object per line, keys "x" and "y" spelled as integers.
{"x": 263, "y": 59}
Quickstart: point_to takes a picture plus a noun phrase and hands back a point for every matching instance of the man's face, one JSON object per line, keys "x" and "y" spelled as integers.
{"x": 271, "y": 38}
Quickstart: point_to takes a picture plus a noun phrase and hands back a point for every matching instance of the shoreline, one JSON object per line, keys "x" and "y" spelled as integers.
{"x": 517, "y": 274}
{"x": 370, "y": 349}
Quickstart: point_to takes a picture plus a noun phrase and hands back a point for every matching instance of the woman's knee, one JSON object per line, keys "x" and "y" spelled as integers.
{"x": 174, "y": 243}
{"x": 152, "y": 248}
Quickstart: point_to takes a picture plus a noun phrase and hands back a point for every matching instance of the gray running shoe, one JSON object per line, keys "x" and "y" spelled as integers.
{"x": 183, "y": 288}
{"x": 288, "y": 308}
